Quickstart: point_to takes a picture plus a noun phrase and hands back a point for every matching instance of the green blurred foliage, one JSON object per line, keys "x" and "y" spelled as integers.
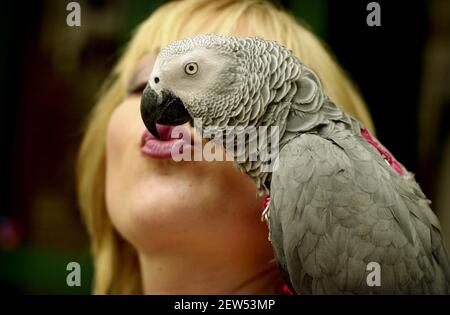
{"x": 41, "y": 271}
{"x": 312, "y": 14}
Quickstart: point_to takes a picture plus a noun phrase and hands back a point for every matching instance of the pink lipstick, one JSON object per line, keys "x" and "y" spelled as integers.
{"x": 162, "y": 148}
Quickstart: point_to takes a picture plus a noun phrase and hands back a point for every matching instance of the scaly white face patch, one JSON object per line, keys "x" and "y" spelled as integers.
{"x": 190, "y": 74}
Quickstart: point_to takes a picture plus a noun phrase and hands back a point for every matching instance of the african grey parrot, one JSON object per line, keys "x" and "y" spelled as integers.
{"x": 339, "y": 201}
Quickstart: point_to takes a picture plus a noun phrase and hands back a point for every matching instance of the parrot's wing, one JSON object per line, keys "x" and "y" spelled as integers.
{"x": 333, "y": 212}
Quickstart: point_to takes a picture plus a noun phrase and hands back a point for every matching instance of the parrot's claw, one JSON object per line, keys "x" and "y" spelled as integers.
{"x": 265, "y": 213}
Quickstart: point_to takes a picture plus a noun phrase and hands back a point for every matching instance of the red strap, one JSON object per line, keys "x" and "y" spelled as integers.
{"x": 395, "y": 165}
{"x": 286, "y": 291}
{"x": 266, "y": 201}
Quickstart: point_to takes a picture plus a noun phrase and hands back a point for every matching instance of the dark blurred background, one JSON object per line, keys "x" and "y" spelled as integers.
{"x": 50, "y": 74}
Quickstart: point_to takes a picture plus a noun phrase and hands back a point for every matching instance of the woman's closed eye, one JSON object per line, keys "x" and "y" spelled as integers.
{"x": 137, "y": 88}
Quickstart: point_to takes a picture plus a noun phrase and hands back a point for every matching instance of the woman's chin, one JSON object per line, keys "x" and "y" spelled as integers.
{"x": 158, "y": 214}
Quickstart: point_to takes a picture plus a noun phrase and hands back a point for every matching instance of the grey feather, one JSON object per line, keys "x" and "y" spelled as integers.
{"x": 376, "y": 234}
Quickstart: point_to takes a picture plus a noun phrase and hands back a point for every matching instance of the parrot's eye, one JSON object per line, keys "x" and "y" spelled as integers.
{"x": 191, "y": 68}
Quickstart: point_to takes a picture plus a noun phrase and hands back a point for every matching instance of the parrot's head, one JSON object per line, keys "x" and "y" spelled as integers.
{"x": 201, "y": 77}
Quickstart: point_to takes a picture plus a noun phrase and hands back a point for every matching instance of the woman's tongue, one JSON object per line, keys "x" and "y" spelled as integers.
{"x": 165, "y": 132}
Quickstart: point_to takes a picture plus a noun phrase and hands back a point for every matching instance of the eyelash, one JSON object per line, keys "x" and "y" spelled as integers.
{"x": 137, "y": 89}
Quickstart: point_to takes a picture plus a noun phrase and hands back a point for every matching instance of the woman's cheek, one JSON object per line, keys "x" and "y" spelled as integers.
{"x": 118, "y": 134}
{"x": 113, "y": 139}
{"x": 124, "y": 167}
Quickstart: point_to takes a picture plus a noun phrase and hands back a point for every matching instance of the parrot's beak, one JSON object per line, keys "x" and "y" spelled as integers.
{"x": 164, "y": 109}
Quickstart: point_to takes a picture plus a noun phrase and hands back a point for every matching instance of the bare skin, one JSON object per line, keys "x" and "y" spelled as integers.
{"x": 195, "y": 225}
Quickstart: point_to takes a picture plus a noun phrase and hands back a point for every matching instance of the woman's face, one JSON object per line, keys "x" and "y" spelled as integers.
{"x": 159, "y": 204}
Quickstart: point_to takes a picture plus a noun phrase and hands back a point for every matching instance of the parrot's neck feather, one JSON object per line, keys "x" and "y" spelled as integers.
{"x": 288, "y": 95}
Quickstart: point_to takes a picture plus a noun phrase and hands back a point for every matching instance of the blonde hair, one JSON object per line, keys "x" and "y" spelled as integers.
{"x": 115, "y": 261}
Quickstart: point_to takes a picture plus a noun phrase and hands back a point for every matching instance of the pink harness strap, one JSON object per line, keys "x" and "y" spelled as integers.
{"x": 394, "y": 164}
{"x": 286, "y": 291}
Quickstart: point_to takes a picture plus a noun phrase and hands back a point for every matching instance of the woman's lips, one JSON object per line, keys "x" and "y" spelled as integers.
{"x": 162, "y": 149}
